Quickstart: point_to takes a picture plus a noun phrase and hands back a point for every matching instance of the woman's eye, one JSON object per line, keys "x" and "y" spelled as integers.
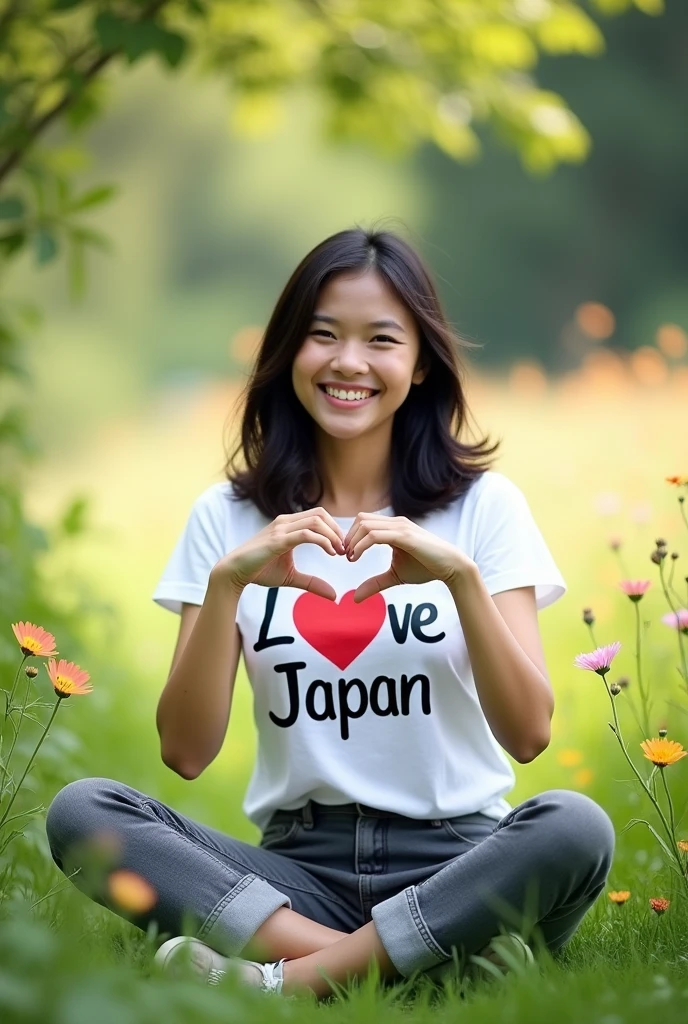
{"x": 323, "y": 332}
{"x": 385, "y": 337}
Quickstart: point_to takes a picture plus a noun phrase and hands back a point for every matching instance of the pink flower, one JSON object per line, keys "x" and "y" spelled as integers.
{"x": 600, "y": 659}
{"x": 677, "y": 619}
{"x": 635, "y": 588}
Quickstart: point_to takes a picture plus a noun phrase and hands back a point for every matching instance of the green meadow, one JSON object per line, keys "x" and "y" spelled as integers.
{"x": 591, "y": 451}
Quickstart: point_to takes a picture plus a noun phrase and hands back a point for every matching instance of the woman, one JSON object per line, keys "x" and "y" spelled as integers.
{"x": 383, "y": 585}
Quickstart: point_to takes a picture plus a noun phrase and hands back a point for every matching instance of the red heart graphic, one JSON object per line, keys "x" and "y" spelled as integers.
{"x": 339, "y": 631}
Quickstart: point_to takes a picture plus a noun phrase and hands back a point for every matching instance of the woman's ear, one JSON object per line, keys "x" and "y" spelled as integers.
{"x": 420, "y": 373}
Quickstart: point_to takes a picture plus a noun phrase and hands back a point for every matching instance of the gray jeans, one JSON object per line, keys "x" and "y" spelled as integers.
{"x": 429, "y": 886}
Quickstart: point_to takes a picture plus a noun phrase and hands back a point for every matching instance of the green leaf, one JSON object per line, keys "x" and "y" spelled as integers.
{"x": 94, "y": 197}
{"x": 91, "y": 237}
{"x": 45, "y": 245}
{"x": 11, "y": 208}
{"x": 9, "y": 244}
{"x": 147, "y": 36}
{"x": 111, "y": 31}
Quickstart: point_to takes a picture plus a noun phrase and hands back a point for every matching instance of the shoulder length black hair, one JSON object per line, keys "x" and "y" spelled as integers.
{"x": 430, "y": 465}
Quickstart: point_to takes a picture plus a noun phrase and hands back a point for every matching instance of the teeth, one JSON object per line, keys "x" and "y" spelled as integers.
{"x": 348, "y": 396}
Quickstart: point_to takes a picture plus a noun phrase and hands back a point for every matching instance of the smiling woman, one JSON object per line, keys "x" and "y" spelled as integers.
{"x": 387, "y": 681}
{"x": 355, "y": 399}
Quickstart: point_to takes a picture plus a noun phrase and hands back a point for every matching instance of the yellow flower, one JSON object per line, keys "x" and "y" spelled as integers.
{"x": 663, "y": 752}
{"x": 569, "y": 758}
{"x": 131, "y": 892}
{"x": 682, "y": 845}
{"x": 583, "y": 777}
{"x": 619, "y": 896}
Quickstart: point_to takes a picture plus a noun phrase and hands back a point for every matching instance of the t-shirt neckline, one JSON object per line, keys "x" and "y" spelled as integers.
{"x": 379, "y": 512}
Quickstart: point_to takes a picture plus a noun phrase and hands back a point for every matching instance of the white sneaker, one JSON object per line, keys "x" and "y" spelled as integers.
{"x": 212, "y": 966}
{"x": 503, "y": 953}
{"x": 506, "y": 952}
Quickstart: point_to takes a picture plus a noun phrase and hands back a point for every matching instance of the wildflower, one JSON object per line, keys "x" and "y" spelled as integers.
{"x": 34, "y": 641}
{"x": 600, "y": 659}
{"x": 662, "y": 732}
{"x": 67, "y": 678}
{"x": 635, "y": 588}
{"x": 663, "y": 752}
{"x": 682, "y": 845}
{"x": 619, "y": 896}
{"x": 659, "y": 904}
{"x": 588, "y": 617}
{"x": 678, "y": 481}
{"x": 583, "y": 777}
{"x": 569, "y": 758}
{"x": 677, "y": 619}
{"x": 131, "y": 892}
{"x": 31, "y": 671}
{"x": 614, "y": 689}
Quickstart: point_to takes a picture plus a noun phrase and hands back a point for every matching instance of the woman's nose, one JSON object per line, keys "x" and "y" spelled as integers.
{"x": 349, "y": 358}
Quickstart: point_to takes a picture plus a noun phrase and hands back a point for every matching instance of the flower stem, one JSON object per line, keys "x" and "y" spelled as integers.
{"x": 679, "y": 635}
{"x": 671, "y": 806}
{"x": 641, "y": 780}
{"x": 8, "y": 701}
{"x": 14, "y": 738}
{"x": 31, "y": 760}
{"x": 643, "y": 695}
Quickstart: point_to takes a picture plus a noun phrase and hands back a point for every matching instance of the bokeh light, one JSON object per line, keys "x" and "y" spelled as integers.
{"x": 672, "y": 341}
{"x": 649, "y": 366}
{"x": 596, "y": 320}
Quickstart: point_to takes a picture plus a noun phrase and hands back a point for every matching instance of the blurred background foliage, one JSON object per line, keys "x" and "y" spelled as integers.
{"x": 163, "y": 166}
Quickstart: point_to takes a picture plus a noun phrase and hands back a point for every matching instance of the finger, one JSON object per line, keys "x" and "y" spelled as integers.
{"x": 313, "y": 584}
{"x": 367, "y": 518}
{"x": 304, "y": 535}
{"x": 372, "y": 537}
{"x": 375, "y": 584}
{"x": 323, "y": 514}
{"x": 319, "y": 526}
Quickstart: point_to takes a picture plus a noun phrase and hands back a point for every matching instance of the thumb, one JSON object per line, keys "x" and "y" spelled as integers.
{"x": 313, "y": 584}
{"x": 375, "y": 584}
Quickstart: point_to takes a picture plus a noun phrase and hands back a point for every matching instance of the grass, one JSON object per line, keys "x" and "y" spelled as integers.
{"x": 69, "y": 961}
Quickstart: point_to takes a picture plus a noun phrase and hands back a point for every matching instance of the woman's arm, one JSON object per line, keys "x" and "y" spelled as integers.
{"x": 194, "y": 707}
{"x": 514, "y": 692}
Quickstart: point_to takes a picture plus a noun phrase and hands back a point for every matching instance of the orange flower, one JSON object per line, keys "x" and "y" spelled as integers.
{"x": 677, "y": 480}
{"x": 34, "y": 640}
{"x": 619, "y": 896}
{"x": 67, "y": 678}
{"x": 682, "y": 845}
{"x": 663, "y": 752}
{"x": 132, "y": 892}
{"x": 659, "y": 905}
{"x": 583, "y": 777}
{"x": 569, "y": 757}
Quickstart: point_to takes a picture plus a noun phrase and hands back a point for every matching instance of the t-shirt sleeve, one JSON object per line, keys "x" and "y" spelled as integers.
{"x": 510, "y": 550}
{"x": 202, "y": 543}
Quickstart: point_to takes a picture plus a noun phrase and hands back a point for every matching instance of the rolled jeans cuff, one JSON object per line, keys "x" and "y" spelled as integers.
{"x": 239, "y": 914}
{"x": 403, "y": 932}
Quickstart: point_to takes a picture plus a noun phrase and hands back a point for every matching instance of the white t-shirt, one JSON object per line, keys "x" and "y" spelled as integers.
{"x": 372, "y": 703}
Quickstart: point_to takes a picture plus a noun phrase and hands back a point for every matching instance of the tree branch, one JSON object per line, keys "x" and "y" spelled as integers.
{"x": 39, "y": 126}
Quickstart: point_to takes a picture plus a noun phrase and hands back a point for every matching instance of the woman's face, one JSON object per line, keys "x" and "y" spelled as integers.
{"x": 359, "y": 359}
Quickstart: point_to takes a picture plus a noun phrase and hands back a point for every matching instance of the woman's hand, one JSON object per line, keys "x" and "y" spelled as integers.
{"x": 266, "y": 558}
{"x": 418, "y": 556}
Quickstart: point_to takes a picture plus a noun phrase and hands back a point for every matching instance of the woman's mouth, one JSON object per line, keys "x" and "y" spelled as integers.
{"x": 347, "y": 396}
